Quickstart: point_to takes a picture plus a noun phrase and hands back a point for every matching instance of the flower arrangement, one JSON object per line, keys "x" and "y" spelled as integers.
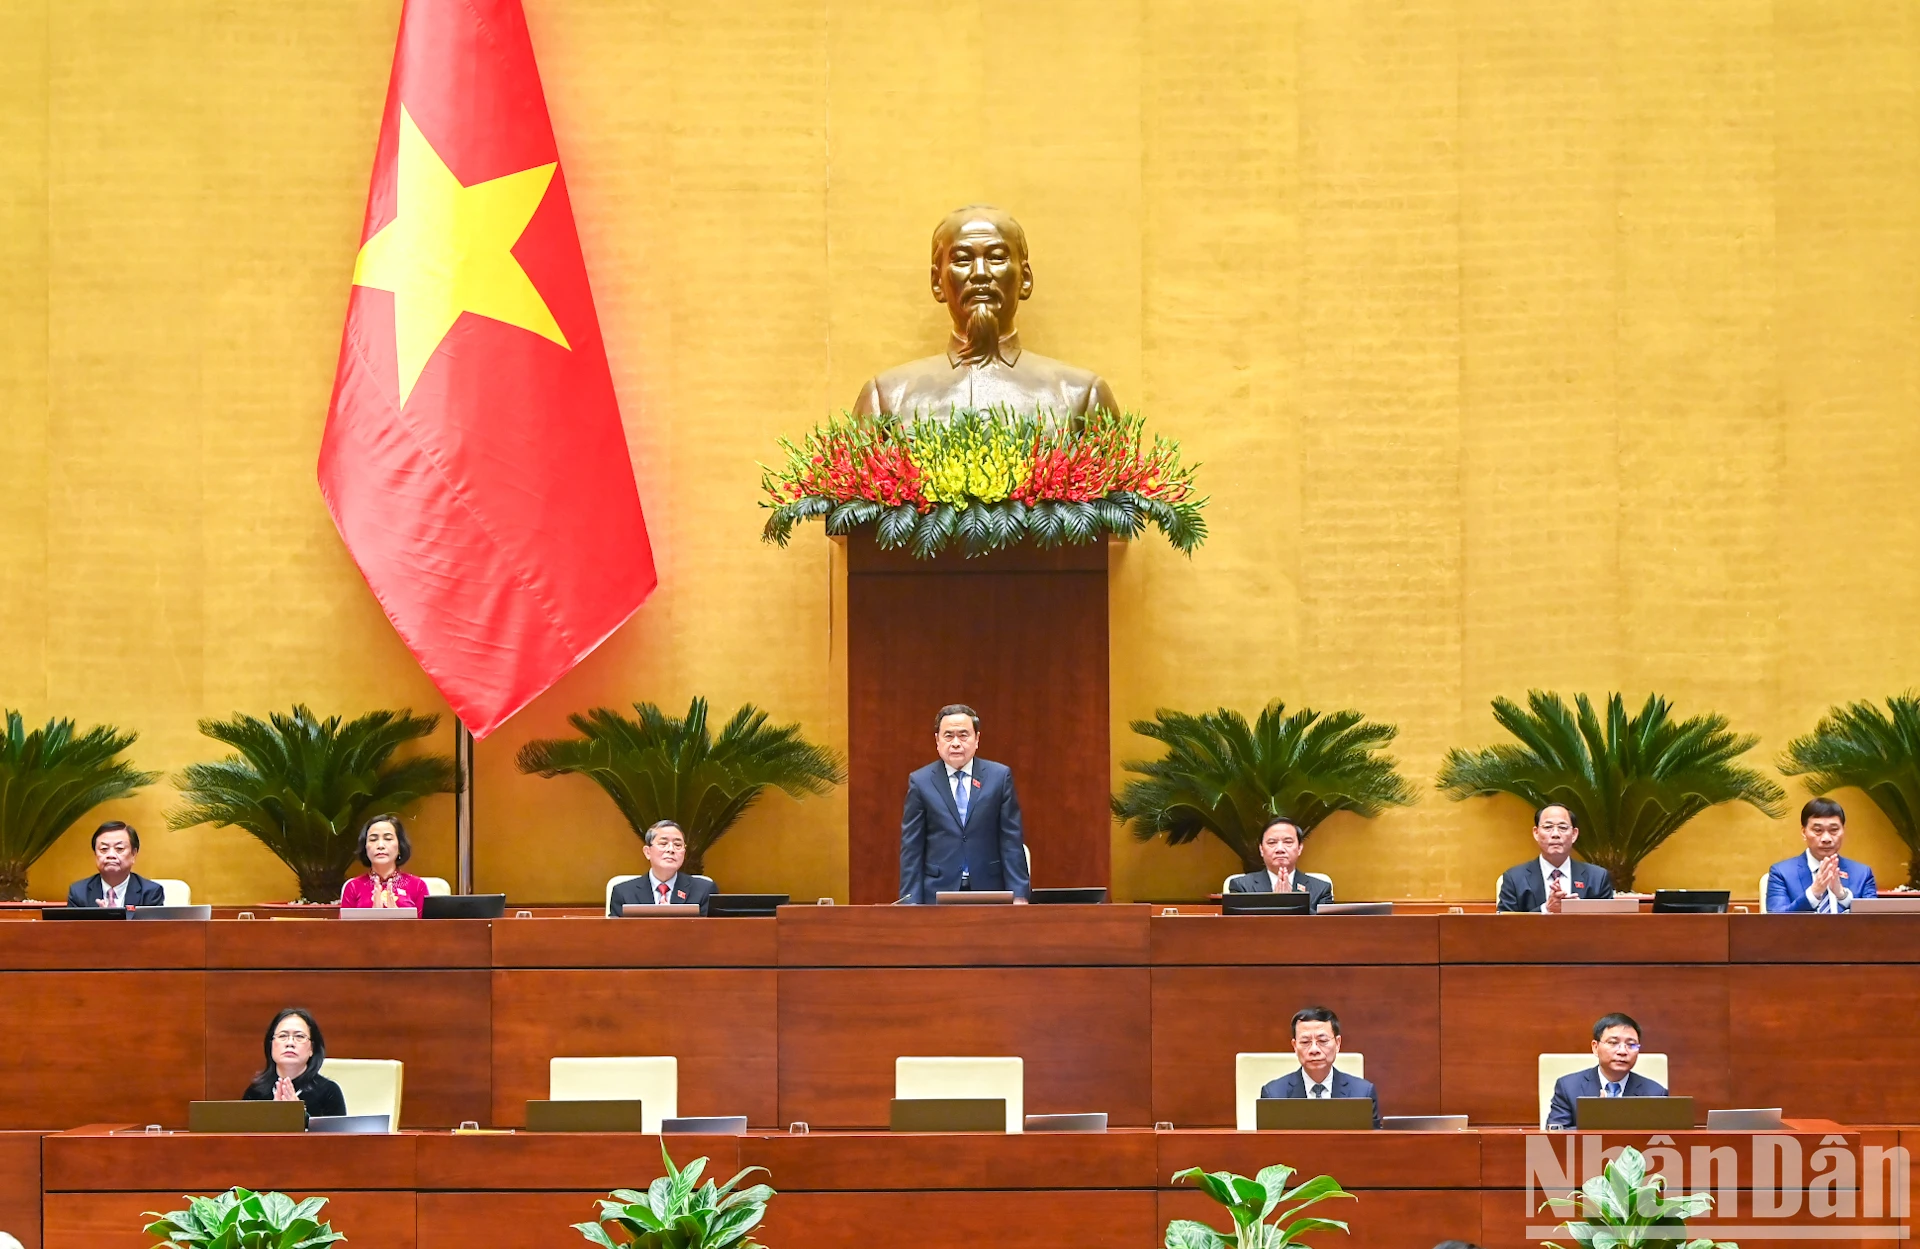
{"x": 985, "y": 479}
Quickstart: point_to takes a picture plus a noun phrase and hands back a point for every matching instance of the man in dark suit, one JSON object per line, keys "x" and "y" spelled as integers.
{"x": 115, "y": 846}
{"x": 1280, "y": 851}
{"x": 664, "y": 884}
{"x": 1542, "y": 884}
{"x": 1316, "y": 1043}
{"x": 1818, "y": 880}
{"x": 1616, "y": 1047}
{"x": 960, "y": 828}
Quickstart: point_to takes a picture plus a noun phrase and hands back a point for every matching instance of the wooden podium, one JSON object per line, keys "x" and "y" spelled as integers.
{"x": 1020, "y": 636}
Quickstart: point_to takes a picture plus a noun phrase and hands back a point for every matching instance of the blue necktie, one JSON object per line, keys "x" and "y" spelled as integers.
{"x": 960, "y": 794}
{"x": 1613, "y": 1090}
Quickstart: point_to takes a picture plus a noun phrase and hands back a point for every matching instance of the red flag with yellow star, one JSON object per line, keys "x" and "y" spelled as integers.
{"x": 474, "y": 459}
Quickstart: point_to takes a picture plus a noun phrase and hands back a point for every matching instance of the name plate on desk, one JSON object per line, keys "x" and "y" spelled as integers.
{"x": 974, "y": 897}
{"x": 948, "y": 1114}
{"x": 1599, "y": 906}
{"x": 1633, "y": 1114}
{"x": 643, "y": 910}
{"x": 1313, "y": 1114}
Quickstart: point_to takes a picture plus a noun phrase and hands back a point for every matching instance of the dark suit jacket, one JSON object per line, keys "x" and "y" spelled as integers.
{"x": 1788, "y": 882}
{"x": 1340, "y": 1084}
{"x": 1524, "y": 887}
{"x": 1317, "y": 890}
{"x": 934, "y": 847}
{"x": 1567, "y": 1091}
{"x": 688, "y": 890}
{"x": 140, "y": 891}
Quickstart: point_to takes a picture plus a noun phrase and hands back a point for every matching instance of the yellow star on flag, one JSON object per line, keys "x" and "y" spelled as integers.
{"x": 449, "y": 249}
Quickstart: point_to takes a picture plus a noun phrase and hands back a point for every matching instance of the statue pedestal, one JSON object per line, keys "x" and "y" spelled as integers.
{"x": 1020, "y": 636}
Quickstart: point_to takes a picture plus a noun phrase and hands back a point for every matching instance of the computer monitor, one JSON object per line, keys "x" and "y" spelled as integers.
{"x": 1076, "y": 896}
{"x": 1291, "y": 903}
{"x": 1690, "y": 901}
{"x": 1313, "y": 1114}
{"x": 705, "y": 1125}
{"x": 746, "y": 904}
{"x": 244, "y": 1116}
{"x": 1633, "y": 1114}
{"x": 947, "y": 1114}
{"x": 171, "y": 912}
{"x": 83, "y": 912}
{"x": 464, "y": 906}
{"x": 1355, "y": 908}
{"x": 973, "y": 897}
{"x": 605, "y": 1115}
{"x": 351, "y": 1125}
{"x": 378, "y": 914}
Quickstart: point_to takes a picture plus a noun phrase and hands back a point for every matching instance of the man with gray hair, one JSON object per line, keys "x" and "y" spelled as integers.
{"x": 664, "y": 884}
{"x": 960, "y": 830}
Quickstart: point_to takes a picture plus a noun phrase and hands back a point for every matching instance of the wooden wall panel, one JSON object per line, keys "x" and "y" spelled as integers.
{"x": 1203, "y": 1016}
{"x": 963, "y": 936}
{"x": 112, "y": 1220}
{"x": 1495, "y": 1022}
{"x": 20, "y": 1187}
{"x": 965, "y": 1220}
{"x": 1822, "y": 1040}
{"x": 436, "y": 1022}
{"x": 1019, "y": 636}
{"x": 70, "y": 1060}
{"x": 1083, "y": 1032}
{"x": 720, "y": 1023}
{"x": 542, "y": 1220}
{"x": 334, "y": 946}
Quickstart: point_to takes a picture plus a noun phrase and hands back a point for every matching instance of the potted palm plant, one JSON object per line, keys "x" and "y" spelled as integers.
{"x": 1250, "y": 1203}
{"x": 673, "y": 1214}
{"x": 303, "y": 784}
{"x": 656, "y": 767}
{"x": 49, "y": 778}
{"x": 1624, "y": 1206}
{"x": 1877, "y": 752}
{"x": 1629, "y": 783}
{"x": 239, "y": 1219}
{"x": 1221, "y": 775}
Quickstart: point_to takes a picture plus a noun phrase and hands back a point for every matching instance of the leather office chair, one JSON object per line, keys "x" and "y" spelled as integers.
{"x": 1252, "y": 1070}
{"x": 371, "y": 1086}
{"x": 653, "y": 1081}
{"x": 1553, "y": 1066}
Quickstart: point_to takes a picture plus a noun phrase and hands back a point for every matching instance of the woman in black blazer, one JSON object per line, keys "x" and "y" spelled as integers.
{"x": 295, "y": 1049}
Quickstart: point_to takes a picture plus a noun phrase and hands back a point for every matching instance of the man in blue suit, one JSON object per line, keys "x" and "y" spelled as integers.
{"x": 960, "y": 829}
{"x": 1819, "y": 880}
{"x": 1616, "y": 1047}
{"x": 1316, "y": 1043}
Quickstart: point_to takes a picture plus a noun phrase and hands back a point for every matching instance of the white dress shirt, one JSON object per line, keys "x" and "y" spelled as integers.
{"x": 1842, "y": 898}
{"x": 114, "y": 895}
{"x": 1566, "y": 877}
{"x": 1326, "y": 1085}
{"x": 1274, "y": 882}
{"x": 653, "y": 889}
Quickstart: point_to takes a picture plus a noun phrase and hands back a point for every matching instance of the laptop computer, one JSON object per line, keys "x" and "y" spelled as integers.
{"x": 1633, "y": 1114}
{"x": 465, "y": 906}
{"x": 1313, "y": 1114}
{"x": 585, "y": 1116}
{"x": 1884, "y": 905}
{"x": 351, "y": 1125}
{"x": 974, "y": 897}
{"x": 171, "y": 912}
{"x": 1423, "y": 1123}
{"x": 706, "y": 1125}
{"x": 1767, "y": 1120}
{"x": 1088, "y": 1122}
{"x": 1076, "y": 896}
{"x": 83, "y": 912}
{"x": 1355, "y": 908}
{"x": 1600, "y": 906}
{"x": 747, "y": 904}
{"x": 377, "y": 914}
{"x": 1293, "y": 903}
{"x": 1690, "y": 901}
{"x": 947, "y": 1114}
{"x": 246, "y": 1116}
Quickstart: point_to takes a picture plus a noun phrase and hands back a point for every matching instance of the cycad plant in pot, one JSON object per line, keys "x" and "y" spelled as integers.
{"x": 48, "y": 779}
{"x": 238, "y": 1219}
{"x": 303, "y": 784}
{"x": 1629, "y": 783}
{"x": 1877, "y": 752}
{"x": 658, "y": 767}
{"x": 1223, "y": 776}
{"x": 673, "y": 1214}
{"x": 1251, "y": 1203}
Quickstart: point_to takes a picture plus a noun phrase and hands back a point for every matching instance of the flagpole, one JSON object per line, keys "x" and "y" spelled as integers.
{"x": 463, "y": 804}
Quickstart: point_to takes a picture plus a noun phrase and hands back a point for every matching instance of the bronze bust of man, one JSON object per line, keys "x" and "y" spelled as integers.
{"x": 980, "y": 272}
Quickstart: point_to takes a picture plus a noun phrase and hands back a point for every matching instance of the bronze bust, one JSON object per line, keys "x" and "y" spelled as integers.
{"x": 981, "y": 273}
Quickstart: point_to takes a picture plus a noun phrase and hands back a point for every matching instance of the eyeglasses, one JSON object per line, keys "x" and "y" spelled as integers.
{"x": 665, "y": 843}
{"x": 291, "y": 1036}
{"x": 1619, "y": 1044}
{"x": 1316, "y": 1042}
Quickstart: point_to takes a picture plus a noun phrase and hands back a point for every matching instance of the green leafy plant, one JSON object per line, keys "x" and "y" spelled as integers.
{"x": 1625, "y": 1208}
{"x": 1861, "y": 747}
{"x": 673, "y": 1214}
{"x": 239, "y": 1219}
{"x": 302, "y": 785}
{"x": 1628, "y": 783}
{"x": 656, "y": 767}
{"x": 1224, "y": 776}
{"x": 49, "y": 778}
{"x": 1250, "y": 1202}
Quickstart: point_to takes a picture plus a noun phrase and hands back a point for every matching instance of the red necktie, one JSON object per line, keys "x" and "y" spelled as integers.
{"x": 663, "y": 893}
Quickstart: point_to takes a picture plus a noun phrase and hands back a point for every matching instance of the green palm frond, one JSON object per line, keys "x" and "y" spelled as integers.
{"x": 1224, "y": 776}
{"x": 1629, "y": 783}
{"x": 1877, "y": 752}
{"x": 50, "y": 778}
{"x": 302, "y": 785}
{"x": 656, "y": 767}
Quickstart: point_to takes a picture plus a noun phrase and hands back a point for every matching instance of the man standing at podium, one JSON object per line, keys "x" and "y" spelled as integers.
{"x": 960, "y": 830}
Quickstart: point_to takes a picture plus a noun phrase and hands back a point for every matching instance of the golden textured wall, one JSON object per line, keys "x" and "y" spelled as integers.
{"x": 1526, "y": 344}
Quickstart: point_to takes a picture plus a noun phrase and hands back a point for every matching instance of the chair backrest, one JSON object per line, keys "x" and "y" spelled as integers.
{"x": 1227, "y": 884}
{"x": 1764, "y": 878}
{"x": 615, "y": 881}
{"x": 1252, "y": 1070}
{"x": 178, "y": 892}
{"x": 1496, "y": 888}
{"x": 965, "y": 1077}
{"x": 371, "y": 1086}
{"x": 1553, "y": 1066}
{"x": 654, "y": 1081}
{"x": 437, "y": 886}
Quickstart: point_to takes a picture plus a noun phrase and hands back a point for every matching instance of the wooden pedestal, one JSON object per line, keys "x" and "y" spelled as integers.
{"x": 1020, "y": 636}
